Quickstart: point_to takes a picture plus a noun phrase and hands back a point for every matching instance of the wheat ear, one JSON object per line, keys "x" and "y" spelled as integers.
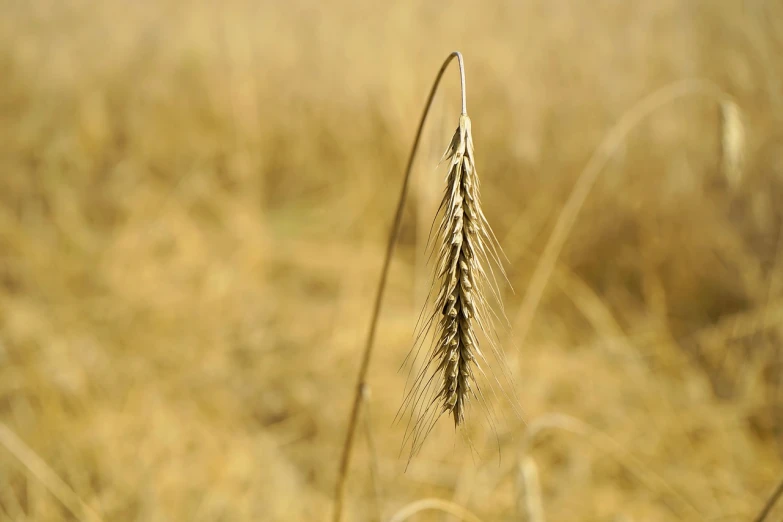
{"x": 463, "y": 279}
{"x": 460, "y": 276}
{"x": 361, "y": 384}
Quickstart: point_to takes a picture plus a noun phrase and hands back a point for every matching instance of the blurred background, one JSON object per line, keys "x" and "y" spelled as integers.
{"x": 194, "y": 204}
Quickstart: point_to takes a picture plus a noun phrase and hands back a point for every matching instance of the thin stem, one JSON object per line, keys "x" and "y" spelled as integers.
{"x": 767, "y": 509}
{"x": 584, "y": 184}
{"x": 374, "y": 472}
{"x": 461, "y": 79}
{"x": 437, "y": 504}
{"x": 39, "y": 469}
{"x": 395, "y": 231}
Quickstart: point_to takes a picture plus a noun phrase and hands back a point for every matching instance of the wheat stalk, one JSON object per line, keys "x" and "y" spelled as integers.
{"x": 345, "y": 458}
{"x": 588, "y": 177}
{"x": 466, "y": 246}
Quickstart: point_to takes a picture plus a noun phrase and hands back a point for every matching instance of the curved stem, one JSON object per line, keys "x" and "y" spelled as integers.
{"x": 767, "y": 509}
{"x": 461, "y": 78}
{"x": 437, "y": 504}
{"x": 584, "y": 184}
{"x": 395, "y": 230}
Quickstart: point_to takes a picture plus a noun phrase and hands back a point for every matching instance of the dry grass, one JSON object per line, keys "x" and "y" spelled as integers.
{"x": 193, "y": 202}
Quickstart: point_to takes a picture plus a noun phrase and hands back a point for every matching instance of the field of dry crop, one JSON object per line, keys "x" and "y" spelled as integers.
{"x": 194, "y": 204}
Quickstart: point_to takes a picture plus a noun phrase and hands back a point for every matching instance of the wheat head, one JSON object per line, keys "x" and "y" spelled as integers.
{"x": 459, "y": 299}
{"x": 465, "y": 248}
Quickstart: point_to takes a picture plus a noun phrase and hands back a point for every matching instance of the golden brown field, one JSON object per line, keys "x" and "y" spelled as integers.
{"x": 194, "y": 203}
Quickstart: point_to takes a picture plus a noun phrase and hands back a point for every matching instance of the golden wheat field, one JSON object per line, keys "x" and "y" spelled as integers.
{"x": 195, "y": 200}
